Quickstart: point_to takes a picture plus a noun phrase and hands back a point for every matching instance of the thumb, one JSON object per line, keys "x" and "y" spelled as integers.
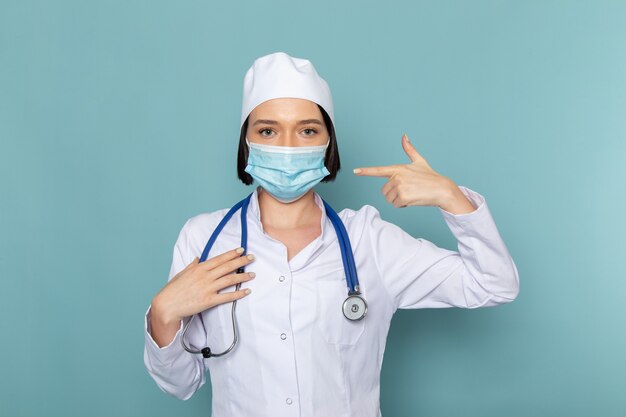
{"x": 410, "y": 150}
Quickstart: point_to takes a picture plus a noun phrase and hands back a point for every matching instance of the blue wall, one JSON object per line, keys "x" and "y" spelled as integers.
{"x": 118, "y": 121}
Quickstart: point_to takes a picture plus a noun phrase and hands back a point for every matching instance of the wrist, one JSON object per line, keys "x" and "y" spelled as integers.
{"x": 448, "y": 190}
{"x": 161, "y": 315}
{"x": 453, "y": 200}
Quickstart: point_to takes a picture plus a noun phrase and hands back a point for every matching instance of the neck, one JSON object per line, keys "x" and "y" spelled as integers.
{"x": 279, "y": 215}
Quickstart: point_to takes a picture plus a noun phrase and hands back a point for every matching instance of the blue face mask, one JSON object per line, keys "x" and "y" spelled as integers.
{"x": 286, "y": 172}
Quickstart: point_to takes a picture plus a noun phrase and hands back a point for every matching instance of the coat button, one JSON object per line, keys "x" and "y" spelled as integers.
{"x": 283, "y": 336}
{"x": 289, "y": 401}
{"x": 281, "y": 278}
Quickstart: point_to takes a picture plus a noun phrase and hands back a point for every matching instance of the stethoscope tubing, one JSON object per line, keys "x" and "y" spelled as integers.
{"x": 243, "y": 205}
{"x": 348, "y": 263}
{"x": 349, "y": 266}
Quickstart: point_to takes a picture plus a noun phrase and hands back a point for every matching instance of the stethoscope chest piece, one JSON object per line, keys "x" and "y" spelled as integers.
{"x": 354, "y": 307}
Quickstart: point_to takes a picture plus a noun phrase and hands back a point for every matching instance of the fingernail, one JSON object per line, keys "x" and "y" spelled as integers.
{"x": 251, "y": 257}
{"x": 405, "y": 137}
{"x": 252, "y": 274}
{"x": 357, "y": 170}
{"x": 247, "y": 291}
{"x": 239, "y": 250}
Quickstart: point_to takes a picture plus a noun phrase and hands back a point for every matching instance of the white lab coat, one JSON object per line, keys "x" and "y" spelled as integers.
{"x": 297, "y": 354}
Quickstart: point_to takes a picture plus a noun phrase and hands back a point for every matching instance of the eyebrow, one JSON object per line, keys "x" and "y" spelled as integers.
{"x": 274, "y": 122}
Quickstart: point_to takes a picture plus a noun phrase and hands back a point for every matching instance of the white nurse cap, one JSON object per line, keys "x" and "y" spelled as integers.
{"x": 280, "y": 75}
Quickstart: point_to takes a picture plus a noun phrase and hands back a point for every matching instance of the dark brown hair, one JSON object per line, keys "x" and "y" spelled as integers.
{"x": 331, "y": 160}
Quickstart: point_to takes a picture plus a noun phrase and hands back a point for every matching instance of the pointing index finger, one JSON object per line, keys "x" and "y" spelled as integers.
{"x": 380, "y": 171}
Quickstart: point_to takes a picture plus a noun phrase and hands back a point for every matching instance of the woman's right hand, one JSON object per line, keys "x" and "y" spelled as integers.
{"x": 196, "y": 288}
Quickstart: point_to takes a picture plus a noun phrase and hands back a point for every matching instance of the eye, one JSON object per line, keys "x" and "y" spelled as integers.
{"x": 309, "y": 131}
{"x": 265, "y": 132}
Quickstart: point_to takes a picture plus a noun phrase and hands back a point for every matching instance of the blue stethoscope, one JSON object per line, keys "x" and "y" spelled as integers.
{"x": 354, "y": 307}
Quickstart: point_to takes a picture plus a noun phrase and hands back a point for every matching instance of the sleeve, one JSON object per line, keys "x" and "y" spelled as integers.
{"x": 419, "y": 274}
{"x": 176, "y": 371}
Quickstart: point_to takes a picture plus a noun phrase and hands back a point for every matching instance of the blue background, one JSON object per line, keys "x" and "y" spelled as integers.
{"x": 119, "y": 121}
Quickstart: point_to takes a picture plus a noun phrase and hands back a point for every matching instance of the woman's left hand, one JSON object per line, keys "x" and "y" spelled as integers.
{"x": 417, "y": 184}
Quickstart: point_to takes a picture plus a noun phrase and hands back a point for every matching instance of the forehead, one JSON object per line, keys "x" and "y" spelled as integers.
{"x": 286, "y": 108}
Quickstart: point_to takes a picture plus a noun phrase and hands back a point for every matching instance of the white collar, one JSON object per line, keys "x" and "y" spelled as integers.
{"x": 327, "y": 235}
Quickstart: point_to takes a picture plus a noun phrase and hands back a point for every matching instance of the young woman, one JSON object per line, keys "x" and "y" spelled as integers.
{"x": 300, "y": 352}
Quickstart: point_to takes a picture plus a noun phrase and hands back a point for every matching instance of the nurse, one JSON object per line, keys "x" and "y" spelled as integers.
{"x": 297, "y": 355}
